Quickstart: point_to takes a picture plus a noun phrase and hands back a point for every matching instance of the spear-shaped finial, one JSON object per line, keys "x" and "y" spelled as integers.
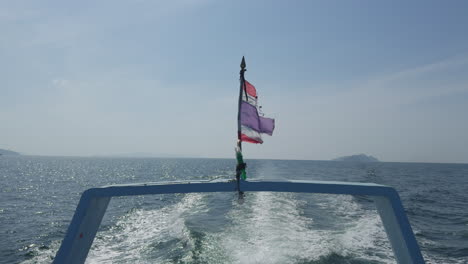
{"x": 243, "y": 64}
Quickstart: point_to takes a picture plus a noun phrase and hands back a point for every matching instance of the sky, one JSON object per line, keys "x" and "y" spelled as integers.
{"x": 384, "y": 78}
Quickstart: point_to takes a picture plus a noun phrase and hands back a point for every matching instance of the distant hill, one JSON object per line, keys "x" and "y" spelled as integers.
{"x": 358, "y": 158}
{"x": 8, "y": 152}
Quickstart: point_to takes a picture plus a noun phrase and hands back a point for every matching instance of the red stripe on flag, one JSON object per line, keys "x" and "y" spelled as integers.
{"x": 250, "y": 89}
{"x": 250, "y": 140}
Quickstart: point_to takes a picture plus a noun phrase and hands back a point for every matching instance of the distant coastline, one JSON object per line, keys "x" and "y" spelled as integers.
{"x": 4, "y": 152}
{"x": 358, "y": 158}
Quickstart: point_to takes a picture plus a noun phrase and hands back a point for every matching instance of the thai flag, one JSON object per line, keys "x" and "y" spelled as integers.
{"x": 252, "y": 124}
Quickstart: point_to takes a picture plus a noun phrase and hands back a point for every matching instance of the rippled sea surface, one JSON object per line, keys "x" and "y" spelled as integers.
{"x": 38, "y": 196}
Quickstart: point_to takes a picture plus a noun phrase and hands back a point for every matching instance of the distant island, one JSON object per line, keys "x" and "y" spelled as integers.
{"x": 8, "y": 152}
{"x": 358, "y": 158}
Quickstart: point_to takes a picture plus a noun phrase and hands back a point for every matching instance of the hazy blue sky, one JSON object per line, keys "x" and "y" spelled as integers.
{"x": 386, "y": 78}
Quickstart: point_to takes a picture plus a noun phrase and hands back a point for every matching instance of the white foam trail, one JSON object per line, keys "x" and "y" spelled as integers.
{"x": 273, "y": 231}
{"x": 366, "y": 237}
{"x": 131, "y": 237}
{"x": 128, "y": 239}
{"x": 362, "y": 234}
{"x": 270, "y": 228}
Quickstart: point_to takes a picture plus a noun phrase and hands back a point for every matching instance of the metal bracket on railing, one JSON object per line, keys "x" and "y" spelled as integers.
{"x": 94, "y": 202}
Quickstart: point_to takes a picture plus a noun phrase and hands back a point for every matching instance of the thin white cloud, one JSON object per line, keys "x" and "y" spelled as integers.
{"x": 448, "y": 63}
{"x": 406, "y": 86}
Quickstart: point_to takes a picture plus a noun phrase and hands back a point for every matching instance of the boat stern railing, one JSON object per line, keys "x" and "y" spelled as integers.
{"x": 94, "y": 202}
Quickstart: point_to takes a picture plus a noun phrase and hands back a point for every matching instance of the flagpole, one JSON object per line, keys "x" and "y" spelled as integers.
{"x": 242, "y": 87}
{"x": 240, "y": 168}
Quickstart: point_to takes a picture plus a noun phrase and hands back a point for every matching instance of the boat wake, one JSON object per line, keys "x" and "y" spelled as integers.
{"x": 140, "y": 234}
{"x": 277, "y": 228}
{"x": 266, "y": 228}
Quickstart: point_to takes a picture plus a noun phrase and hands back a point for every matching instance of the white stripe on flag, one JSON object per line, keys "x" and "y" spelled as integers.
{"x": 251, "y": 133}
{"x": 251, "y": 100}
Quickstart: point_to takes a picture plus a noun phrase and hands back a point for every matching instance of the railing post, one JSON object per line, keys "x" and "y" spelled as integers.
{"x": 398, "y": 229}
{"x": 83, "y": 228}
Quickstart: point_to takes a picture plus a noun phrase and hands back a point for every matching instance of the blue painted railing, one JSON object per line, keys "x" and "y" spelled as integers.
{"x": 93, "y": 205}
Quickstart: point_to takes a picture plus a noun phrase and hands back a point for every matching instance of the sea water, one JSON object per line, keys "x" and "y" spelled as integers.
{"x": 38, "y": 196}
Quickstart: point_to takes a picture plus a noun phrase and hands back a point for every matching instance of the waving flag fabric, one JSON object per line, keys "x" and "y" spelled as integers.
{"x": 252, "y": 124}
